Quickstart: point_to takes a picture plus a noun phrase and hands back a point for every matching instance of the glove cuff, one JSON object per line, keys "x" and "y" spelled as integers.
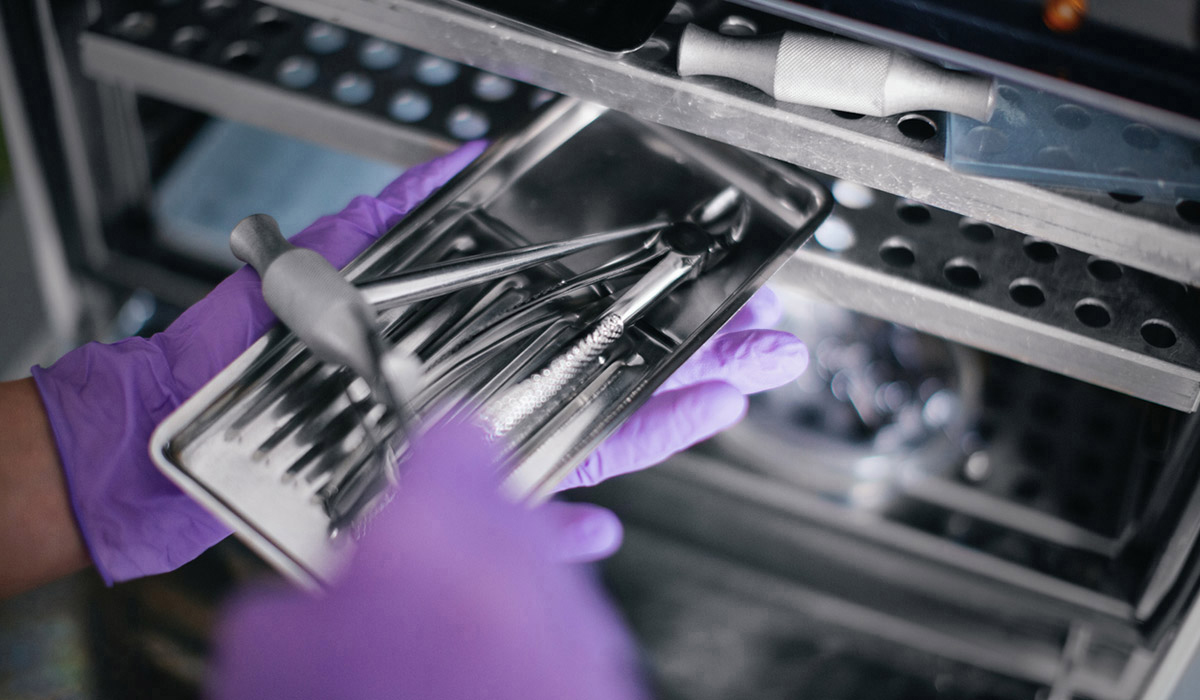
{"x": 103, "y": 403}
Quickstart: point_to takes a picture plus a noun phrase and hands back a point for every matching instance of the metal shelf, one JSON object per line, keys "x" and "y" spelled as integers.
{"x": 998, "y": 290}
{"x": 227, "y": 94}
{"x": 865, "y": 150}
{"x": 869, "y": 151}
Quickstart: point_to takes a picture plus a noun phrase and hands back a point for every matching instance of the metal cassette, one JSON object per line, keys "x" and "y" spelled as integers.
{"x": 287, "y": 449}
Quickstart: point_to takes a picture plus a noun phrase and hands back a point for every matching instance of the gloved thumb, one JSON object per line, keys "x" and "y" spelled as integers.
{"x": 581, "y": 532}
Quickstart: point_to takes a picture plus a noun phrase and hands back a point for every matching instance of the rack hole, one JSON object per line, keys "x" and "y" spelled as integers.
{"x": 846, "y": 115}
{"x": 297, "y": 72}
{"x": 1126, "y": 197}
{"x": 917, "y": 127}
{"x": 215, "y": 8}
{"x": 913, "y": 212}
{"x": 681, "y": 13}
{"x": 1104, "y": 270}
{"x": 962, "y": 273}
{"x": 434, "y": 71}
{"x": 1072, "y": 117}
{"x": 1040, "y": 251}
{"x": 1009, "y": 94}
{"x": 1093, "y": 313}
{"x": 1158, "y": 333}
{"x": 323, "y": 38}
{"x": 540, "y": 97}
{"x": 1055, "y": 158}
{"x": 835, "y": 234}
{"x": 353, "y": 88}
{"x": 242, "y": 55}
{"x": 465, "y": 123}
{"x": 852, "y": 195}
{"x": 189, "y": 40}
{"x": 271, "y": 20}
{"x": 137, "y": 25}
{"x": 1188, "y": 210}
{"x": 976, "y": 231}
{"x": 736, "y": 25}
{"x": 1140, "y": 137}
{"x": 897, "y": 252}
{"x": 493, "y": 88}
{"x": 409, "y": 106}
{"x": 377, "y": 54}
{"x": 1027, "y": 292}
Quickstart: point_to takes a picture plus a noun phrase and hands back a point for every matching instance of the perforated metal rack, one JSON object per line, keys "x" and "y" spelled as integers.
{"x": 1159, "y": 239}
{"x": 1078, "y": 312}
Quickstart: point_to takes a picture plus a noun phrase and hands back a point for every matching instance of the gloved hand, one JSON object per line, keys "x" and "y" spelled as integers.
{"x": 703, "y": 397}
{"x": 451, "y": 596}
{"x": 104, "y": 401}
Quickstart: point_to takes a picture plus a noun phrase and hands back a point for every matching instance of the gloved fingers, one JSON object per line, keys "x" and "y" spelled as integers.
{"x": 214, "y": 331}
{"x": 339, "y": 237}
{"x": 751, "y": 360}
{"x": 582, "y": 532}
{"x": 669, "y": 422}
{"x": 762, "y": 311}
{"x": 419, "y": 182}
{"x": 450, "y": 595}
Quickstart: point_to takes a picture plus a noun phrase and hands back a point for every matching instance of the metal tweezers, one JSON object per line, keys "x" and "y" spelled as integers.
{"x": 334, "y": 318}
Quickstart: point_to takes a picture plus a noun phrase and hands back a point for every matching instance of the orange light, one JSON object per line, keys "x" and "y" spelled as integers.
{"x": 1064, "y": 15}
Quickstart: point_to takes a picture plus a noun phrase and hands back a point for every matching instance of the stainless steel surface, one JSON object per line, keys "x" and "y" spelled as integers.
{"x": 997, "y": 290}
{"x": 282, "y": 446}
{"x": 1156, "y": 240}
{"x": 686, "y": 248}
{"x": 1147, "y": 236}
{"x": 436, "y": 280}
{"x": 835, "y": 73}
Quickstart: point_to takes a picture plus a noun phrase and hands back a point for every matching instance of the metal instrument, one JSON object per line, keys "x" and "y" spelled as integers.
{"x": 289, "y": 449}
{"x": 335, "y": 320}
{"x": 836, "y": 73}
{"x": 688, "y": 246}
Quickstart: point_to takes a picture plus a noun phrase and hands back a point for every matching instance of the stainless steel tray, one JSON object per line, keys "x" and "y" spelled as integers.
{"x": 287, "y": 449}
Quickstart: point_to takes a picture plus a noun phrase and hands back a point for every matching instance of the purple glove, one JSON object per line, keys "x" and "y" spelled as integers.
{"x": 104, "y": 401}
{"x": 452, "y": 596}
{"x": 704, "y": 396}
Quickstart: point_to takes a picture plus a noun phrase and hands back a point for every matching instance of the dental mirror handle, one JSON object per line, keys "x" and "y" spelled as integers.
{"x": 310, "y": 296}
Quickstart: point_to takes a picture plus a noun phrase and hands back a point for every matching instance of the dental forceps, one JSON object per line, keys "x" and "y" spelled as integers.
{"x": 335, "y": 319}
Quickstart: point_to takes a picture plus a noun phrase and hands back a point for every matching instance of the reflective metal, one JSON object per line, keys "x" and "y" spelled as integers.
{"x": 286, "y": 448}
{"x": 994, "y": 289}
{"x": 1148, "y": 236}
